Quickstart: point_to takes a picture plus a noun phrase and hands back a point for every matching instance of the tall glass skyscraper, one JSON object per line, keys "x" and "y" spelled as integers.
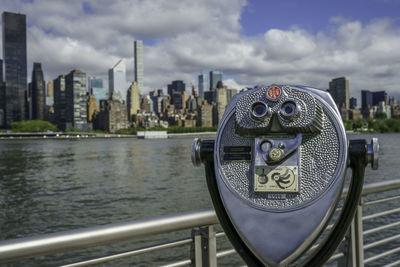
{"x": 38, "y": 92}
{"x": 203, "y": 83}
{"x": 14, "y": 53}
{"x": 138, "y": 63}
{"x": 117, "y": 85}
{"x": 215, "y": 77}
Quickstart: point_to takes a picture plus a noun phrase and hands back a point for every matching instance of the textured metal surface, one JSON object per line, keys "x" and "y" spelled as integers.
{"x": 310, "y": 118}
{"x": 319, "y": 153}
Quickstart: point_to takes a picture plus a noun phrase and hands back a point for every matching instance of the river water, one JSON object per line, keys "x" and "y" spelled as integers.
{"x": 54, "y": 185}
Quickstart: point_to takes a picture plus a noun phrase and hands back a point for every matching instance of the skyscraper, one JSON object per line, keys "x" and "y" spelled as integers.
{"x": 60, "y": 103}
{"x": 38, "y": 92}
{"x": 1, "y": 70}
{"x": 176, "y": 90}
{"x": 117, "y": 85}
{"x": 340, "y": 92}
{"x": 133, "y": 100}
{"x": 15, "y": 68}
{"x": 203, "y": 83}
{"x": 215, "y": 77}
{"x": 370, "y": 99}
{"x": 138, "y": 63}
{"x": 2, "y": 95}
{"x": 94, "y": 82}
{"x": 75, "y": 87}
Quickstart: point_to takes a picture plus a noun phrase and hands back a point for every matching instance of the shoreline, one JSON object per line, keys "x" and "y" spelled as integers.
{"x": 82, "y": 136}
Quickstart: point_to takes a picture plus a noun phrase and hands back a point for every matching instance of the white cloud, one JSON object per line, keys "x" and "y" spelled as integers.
{"x": 183, "y": 38}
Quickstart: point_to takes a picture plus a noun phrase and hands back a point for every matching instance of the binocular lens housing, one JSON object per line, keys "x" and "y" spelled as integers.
{"x": 289, "y": 110}
{"x": 259, "y": 110}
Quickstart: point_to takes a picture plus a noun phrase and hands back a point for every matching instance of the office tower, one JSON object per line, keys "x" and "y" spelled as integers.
{"x": 117, "y": 85}
{"x": 38, "y": 91}
{"x": 92, "y": 107}
{"x": 75, "y": 86}
{"x": 353, "y": 103}
{"x": 94, "y": 82}
{"x": 379, "y": 96}
{"x": 215, "y": 77}
{"x": 370, "y": 99}
{"x": 339, "y": 90}
{"x": 15, "y": 66}
{"x": 138, "y": 63}
{"x": 100, "y": 93}
{"x": 2, "y": 95}
{"x": 176, "y": 90}
{"x": 366, "y": 99}
{"x": 60, "y": 103}
{"x": 50, "y": 89}
{"x": 203, "y": 84}
{"x": 221, "y": 95}
{"x": 1, "y": 70}
{"x": 230, "y": 93}
{"x": 133, "y": 100}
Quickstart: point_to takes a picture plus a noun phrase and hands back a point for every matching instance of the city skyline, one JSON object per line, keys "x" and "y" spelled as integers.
{"x": 182, "y": 40}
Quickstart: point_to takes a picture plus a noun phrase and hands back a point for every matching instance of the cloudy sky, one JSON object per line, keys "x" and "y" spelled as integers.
{"x": 252, "y": 42}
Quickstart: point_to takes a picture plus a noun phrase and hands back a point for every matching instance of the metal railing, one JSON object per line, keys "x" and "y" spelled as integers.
{"x": 203, "y": 237}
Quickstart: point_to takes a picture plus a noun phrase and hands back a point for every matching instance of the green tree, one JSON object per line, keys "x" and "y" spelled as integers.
{"x": 32, "y": 126}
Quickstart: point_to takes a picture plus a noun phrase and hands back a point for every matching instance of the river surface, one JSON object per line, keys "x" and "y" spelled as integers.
{"x": 54, "y": 185}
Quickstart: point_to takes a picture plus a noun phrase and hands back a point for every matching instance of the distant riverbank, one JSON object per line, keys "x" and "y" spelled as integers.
{"x": 83, "y": 135}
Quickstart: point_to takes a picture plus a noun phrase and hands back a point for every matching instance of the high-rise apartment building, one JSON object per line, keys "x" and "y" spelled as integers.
{"x": 215, "y": 77}
{"x": 117, "y": 85}
{"x": 38, "y": 90}
{"x": 133, "y": 100}
{"x": 60, "y": 103}
{"x": 203, "y": 84}
{"x": 75, "y": 86}
{"x": 340, "y": 92}
{"x": 15, "y": 66}
{"x": 138, "y": 63}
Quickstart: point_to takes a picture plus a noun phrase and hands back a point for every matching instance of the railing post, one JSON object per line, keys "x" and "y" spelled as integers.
{"x": 348, "y": 248}
{"x": 358, "y": 234}
{"x": 204, "y": 247}
{"x": 195, "y": 250}
{"x": 209, "y": 246}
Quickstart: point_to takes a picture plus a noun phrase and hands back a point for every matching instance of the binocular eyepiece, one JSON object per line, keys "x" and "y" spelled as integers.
{"x": 276, "y": 170}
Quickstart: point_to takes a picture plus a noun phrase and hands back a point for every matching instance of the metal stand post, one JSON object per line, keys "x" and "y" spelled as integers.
{"x": 204, "y": 247}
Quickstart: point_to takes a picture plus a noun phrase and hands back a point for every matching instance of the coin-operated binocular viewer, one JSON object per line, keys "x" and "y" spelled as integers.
{"x": 276, "y": 170}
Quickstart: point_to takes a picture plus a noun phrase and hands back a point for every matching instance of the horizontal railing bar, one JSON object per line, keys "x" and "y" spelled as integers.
{"x": 381, "y": 242}
{"x": 393, "y": 264}
{"x": 336, "y": 256}
{"x": 131, "y": 253}
{"x": 178, "y": 264}
{"x": 220, "y": 234}
{"x": 380, "y": 187}
{"x": 226, "y": 253}
{"x": 380, "y": 214}
{"x": 93, "y": 236}
{"x": 384, "y": 254}
{"x": 381, "y": 228}
{"x": 373, "y": 202}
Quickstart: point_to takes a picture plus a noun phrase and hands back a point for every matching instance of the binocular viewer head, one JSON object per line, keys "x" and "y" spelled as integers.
{"x": 277, "y": 169}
